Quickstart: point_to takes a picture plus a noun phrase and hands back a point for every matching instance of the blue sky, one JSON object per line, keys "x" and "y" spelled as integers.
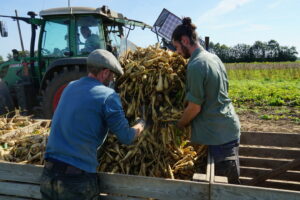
{"x": 228, "y": 22}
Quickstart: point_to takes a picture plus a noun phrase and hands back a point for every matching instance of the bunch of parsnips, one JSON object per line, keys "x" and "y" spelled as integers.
{"x": 28, "y": 149}
{"x": 153, "y": 87}
{"x": 23, "y": 139}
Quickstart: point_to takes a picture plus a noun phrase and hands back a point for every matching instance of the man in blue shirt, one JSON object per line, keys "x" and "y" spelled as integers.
{"x": 87, "y": 109}
{"x": 209, "y": 109}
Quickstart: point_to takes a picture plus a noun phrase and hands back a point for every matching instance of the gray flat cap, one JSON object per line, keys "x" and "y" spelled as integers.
{"x": 101, "y": 58}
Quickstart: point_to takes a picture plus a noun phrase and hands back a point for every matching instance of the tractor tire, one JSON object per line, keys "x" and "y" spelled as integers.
{"x": 6, "y": 102}
{"x": 55, "y": 87}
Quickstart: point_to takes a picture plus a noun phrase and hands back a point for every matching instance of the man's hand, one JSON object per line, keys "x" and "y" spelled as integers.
{"x": 190, "y": 112}
{"x": 139, "y": 126}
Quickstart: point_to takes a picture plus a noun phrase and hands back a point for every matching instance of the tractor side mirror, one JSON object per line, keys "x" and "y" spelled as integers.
{"x": 3, "y": 29}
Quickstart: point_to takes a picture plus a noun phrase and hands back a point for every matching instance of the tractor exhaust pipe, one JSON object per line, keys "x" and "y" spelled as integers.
{"x": 33, "y": 35}
{"x": 206, "y": 43}
{"x": 20, "y": 34}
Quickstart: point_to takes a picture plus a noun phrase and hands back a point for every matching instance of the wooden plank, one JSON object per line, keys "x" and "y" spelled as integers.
{"x": 275, "y": 172}
{"x": 252, "y": 172}
{"x": 211, "y": 163}
{"x": 203, "y": 177}
{"x": 269, "y": 152}
{"x": 149, "y": 187}
{"x": 119, "y": 197}
{"x": 221, "y": 179}
{"x": 263, "y": 162}
{"x": 271, "y": 139}
{"x": 271, "y": 183}
{"x": 237, "y": 192}
{"x": 20, "y": 172}
{"x": 20, "y": 190}
{"x": 200, "y": 177}
{"x": 4, "y": 197}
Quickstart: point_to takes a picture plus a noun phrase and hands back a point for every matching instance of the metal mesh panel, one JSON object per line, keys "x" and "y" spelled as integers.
{"x": 165, "y": 24}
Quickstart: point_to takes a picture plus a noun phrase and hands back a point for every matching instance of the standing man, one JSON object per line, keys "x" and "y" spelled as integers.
{"x": 86, "y": 111}
{"x": 209, "y": 109}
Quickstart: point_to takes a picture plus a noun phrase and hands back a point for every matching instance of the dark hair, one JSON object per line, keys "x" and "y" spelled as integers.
{"x": 187, "y": 29}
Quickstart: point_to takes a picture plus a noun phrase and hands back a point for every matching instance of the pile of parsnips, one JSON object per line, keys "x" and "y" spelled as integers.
{"x": 22, "y": 140}
{"x": 153, "y": 87}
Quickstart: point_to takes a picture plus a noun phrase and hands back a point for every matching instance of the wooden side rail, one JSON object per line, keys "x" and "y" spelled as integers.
{"x": 271, "y": 139}
{"x": 236, "y": 192}
{"x": 20, "y": 182}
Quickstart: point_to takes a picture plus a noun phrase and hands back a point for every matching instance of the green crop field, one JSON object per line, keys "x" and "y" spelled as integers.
{"x": 271, "y": 90}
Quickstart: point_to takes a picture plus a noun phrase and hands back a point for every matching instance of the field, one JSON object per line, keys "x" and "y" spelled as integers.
{"x": 266, "y": 95}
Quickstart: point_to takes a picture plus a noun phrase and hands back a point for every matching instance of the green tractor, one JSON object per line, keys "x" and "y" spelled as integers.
{"x": 67, "y": 35}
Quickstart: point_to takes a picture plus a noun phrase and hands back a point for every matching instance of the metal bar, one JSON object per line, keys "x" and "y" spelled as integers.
{"x": 20, "y": 33}
{"x": 206, "y": 43}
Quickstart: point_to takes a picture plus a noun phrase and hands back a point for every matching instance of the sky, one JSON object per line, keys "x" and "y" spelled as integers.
{"x": 228, "y": 22}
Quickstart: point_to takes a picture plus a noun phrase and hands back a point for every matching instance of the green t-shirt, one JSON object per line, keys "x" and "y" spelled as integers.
{"x": 207, "y": 85}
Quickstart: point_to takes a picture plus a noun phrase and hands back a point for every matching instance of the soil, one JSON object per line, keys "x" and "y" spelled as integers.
{"x": 287, "y": 123}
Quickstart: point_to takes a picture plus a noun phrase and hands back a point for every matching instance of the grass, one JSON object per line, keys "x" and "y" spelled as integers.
{"x": 265, "y": 92}
{"x": 272, "y": 87}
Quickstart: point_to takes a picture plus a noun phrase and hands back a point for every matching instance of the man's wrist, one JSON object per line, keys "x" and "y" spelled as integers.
{"x": 141, "y": 122}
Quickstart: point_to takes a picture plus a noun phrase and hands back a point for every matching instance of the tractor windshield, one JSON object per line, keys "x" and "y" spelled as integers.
{"x": 55, "y": 38}
{"x": 116, "y": 40}
{"x": 89, "y": 34}
{"x": 94, "y": 33}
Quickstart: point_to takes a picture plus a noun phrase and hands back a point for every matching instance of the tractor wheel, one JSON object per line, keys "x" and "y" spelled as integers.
{"x": 6, "y": 102}
{"x": 55, "y": 88}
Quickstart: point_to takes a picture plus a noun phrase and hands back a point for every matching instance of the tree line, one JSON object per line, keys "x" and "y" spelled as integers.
{"x": 258, "y": 52}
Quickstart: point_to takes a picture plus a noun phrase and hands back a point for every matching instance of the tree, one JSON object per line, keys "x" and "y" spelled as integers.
{"x": 222, "y": 51}
{"x": 21, "y": 54}
{"x": 242, "y": 53}
{"x": 1, "y": 59}
{"x": 287, "y": 54}
{"x": 272, "y": 50}
{"x": 259, "y": 52}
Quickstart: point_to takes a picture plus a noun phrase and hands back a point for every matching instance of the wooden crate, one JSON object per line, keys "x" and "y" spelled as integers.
{"x": 19, "y": 181}
{"x": 262, "y": 153}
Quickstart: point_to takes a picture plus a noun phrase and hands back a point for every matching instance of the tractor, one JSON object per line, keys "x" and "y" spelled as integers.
{"x": 66, "y": 37}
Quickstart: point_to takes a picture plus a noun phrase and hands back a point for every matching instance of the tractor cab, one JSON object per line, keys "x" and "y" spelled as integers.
{"x": 67, "y": 36}
{"x": 79, "y": 30}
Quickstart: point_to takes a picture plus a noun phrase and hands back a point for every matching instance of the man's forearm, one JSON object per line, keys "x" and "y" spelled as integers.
{"x": 189, "y": 113}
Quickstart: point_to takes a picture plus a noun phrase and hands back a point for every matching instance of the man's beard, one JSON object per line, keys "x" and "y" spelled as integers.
{"x": 185, "y": 52}
{"x": 106, "y": 82}
{"x": 109, "y": 83}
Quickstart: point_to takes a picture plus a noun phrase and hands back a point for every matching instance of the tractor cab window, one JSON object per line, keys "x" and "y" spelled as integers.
{"x": 55, "y": 38}
{"x": 113, "y": 35}
{"x": 89, "y": 34}
{"x": 116, "y": 40}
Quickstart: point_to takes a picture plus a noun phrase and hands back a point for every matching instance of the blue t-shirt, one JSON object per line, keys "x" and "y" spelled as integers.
{"x": 86, "y": 111}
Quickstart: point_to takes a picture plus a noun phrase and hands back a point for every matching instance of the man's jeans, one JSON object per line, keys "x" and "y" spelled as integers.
{"x": 226, "y": 159}
{"x": 57, "y": 185}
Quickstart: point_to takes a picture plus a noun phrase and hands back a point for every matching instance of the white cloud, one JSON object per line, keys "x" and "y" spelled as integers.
{"x": 224, "y": 7}
{"x": 258, "y": 27}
